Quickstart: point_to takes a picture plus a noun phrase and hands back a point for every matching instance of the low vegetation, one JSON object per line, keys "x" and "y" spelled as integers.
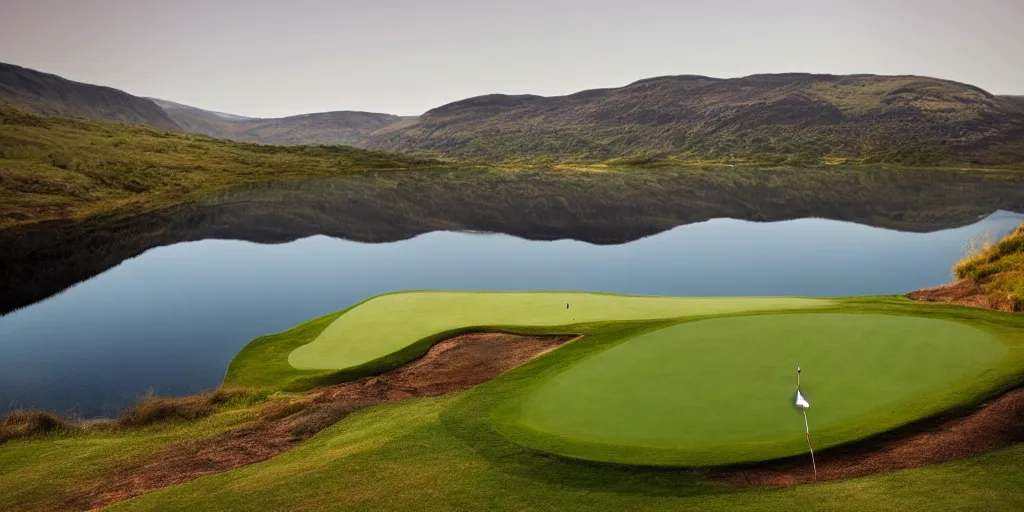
{"x": 792, "y": 119}
{"x": 21, "y": 424}
{"x": 59, "y": 168}
{"x": 150, "y": 410}
{"x": 153, "y": 409}
{"x": 998, "y": 267}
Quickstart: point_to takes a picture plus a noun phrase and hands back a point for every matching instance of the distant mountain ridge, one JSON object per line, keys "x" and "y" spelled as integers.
{"x": 50, "y": 94}
{"x": 54, "y": 95}
{"x": 788, "y": 118}
{"x": 902, "y": 119}
{"x": 342, "y": 127}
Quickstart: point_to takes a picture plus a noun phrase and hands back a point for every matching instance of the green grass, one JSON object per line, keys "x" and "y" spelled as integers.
{"x": 720, "y": 391}
{"x": 445, "y": 454}
{"x": 389, "y": 324}
{"x": 411, "y": 457}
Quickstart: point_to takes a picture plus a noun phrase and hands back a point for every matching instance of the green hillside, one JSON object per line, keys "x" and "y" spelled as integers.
{"x": 54, "y": 95}
{"x": 796, "y": 118}
{"x": 59, "y": 168}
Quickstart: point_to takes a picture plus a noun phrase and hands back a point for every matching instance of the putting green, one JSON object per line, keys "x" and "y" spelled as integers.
{"x": 388, "y": 324}
{"x": 720, "y": 391}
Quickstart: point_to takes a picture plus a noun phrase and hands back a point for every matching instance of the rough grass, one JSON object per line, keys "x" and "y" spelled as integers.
{"x": 22, "y": 424}
{"x": 997, "y": 266}
{"x": 157, "y": 409}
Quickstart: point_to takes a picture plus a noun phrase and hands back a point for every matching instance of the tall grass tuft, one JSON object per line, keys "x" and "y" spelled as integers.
{"x": 997, "y": 266}
{"x": 20, "y": 424}
{"x": 157, "y": 409}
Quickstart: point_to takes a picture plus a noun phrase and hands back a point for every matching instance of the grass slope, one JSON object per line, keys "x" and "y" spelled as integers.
{"x": 344, "y": 127}
{"x": 720, "y": 391}
{"x": 444, "y": 454}
{"x": 405, "y": 457}
{"x": 51, "y": 94}
{"x": 56, "y": 168}
{"x": 389, "y": 324}
{"x": 683, "y": 395}
{"x": 998, "y": 268}
{"x": 796, "y": 118}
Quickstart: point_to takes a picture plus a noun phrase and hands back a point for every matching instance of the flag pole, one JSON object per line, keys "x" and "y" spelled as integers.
{"x": 803, "y": 405}
{"x": 807, "y": 433}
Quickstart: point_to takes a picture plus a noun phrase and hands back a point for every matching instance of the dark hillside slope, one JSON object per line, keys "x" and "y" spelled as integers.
{"x": 51, "y": 94}
{"x": 899, "y": 119}
{"x": 344, "y": 127}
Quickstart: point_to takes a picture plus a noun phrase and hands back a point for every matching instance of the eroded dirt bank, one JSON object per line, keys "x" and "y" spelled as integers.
{"x": 997, "y": 424}
{"x": 455, "y": 364}
{"x": 966, "y": 292}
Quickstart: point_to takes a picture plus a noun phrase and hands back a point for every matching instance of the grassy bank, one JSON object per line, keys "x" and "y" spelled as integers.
{"x": 591, "y": 410}
{"x": 998, "y": 267}
{"x": 59, "y": 168}
{"x": 444, "y": 453}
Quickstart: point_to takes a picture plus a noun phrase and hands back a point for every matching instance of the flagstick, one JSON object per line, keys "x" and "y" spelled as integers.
{"x": 807, "y": 428}
{"x": 807, "y": 431}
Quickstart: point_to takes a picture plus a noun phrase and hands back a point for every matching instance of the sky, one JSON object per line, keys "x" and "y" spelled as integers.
{"x": 276, "y": 58}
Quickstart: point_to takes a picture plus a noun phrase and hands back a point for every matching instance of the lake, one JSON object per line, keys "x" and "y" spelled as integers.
{"x": 168, "y": 315}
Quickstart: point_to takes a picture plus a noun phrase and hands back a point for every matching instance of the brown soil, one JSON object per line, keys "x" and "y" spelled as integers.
{"x": 997, "y": 424}
{"x": 455, "y": 364}
{"x": 966, "y": 292}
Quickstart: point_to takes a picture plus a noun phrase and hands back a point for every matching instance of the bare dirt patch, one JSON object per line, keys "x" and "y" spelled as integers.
{"x": 452, "y": 365}
{"x": 997, "y": 424}
{"x": 966, "y": 292}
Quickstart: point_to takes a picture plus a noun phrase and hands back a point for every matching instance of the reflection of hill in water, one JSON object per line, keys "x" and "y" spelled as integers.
{"x": 601, "y": 208}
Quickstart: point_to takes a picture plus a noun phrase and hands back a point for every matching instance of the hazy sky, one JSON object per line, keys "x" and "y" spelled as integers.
{"x": 283, "y": 57}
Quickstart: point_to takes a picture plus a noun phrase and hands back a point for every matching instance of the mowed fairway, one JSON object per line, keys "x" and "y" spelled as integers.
{"x": 387, "y": 324}
{"x": 720, "y": 391}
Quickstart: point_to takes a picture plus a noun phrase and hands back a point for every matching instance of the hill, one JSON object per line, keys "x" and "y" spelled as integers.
{"x": 50, "y": 94}
{"x": 61, "y": 168}
{"x": 801, "y": 118}
{"x": 343, "y": 127}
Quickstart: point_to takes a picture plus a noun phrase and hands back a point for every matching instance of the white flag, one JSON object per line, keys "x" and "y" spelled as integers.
{"x": 801, "y": 402}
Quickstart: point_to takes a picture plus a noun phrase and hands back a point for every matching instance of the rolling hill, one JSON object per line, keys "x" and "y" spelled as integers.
{"x": 343, "y": 127}
{"x": 50, "y": 94}
{"x": 773, "y": 118}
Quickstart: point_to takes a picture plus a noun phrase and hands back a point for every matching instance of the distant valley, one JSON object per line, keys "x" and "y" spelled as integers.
{"x": 344, "y": 127}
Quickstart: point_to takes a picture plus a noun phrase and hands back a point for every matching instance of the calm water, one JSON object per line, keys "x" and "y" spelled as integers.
{"x": 172, "y": 318}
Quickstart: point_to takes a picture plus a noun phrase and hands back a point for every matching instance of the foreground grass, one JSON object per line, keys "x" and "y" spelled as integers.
{"x": 687, "y": 386}
{"x": 59, "y": 168}
{"x": 43, "y": 473}
{"x": 444, "y": 454}
{"x": 998, "y": 267}
{"x": 410, "y": 456}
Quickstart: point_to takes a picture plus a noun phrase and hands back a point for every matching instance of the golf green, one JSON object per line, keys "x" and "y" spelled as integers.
{"x": 388, "y": 324}
{"x": 720, "y": 391}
